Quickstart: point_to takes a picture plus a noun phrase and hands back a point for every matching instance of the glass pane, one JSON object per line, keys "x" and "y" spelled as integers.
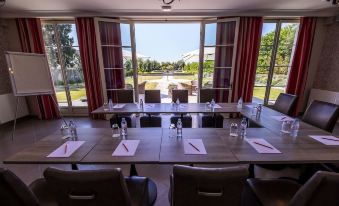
{"x": 279, "y": 82}
{"x": 108, "y": 33}
{"x": 268, "y": 32}
{"x": 287, "y": 39}
{"x": 125, "y": 34}
{"x": 210, "y": 34}
{"x": 208, "y": 70}
{"x": 261, "y": 76}
{"x": 228, "y": 31}
{"x": 113, "y": 78}
{"x": 75, "y": 76}
{"x": 111, "y": 57}
{"x": 222, "y": 78}
{"x": 61, "y": 95}
{"x": 48, "y": 34}
{"x": 223, "y": 56}
{"x": 265, "y": 54}
{"x": 67, "y": 34}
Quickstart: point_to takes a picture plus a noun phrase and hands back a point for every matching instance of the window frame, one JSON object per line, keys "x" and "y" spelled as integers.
{"x": 275, "y": 47}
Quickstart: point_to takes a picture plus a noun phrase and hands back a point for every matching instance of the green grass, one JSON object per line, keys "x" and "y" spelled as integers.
{"x": 259, "y": 92}
{"x": 75, "y": 95}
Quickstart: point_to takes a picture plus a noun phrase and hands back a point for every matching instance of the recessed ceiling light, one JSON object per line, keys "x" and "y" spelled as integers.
{"x": 166, "y": 8}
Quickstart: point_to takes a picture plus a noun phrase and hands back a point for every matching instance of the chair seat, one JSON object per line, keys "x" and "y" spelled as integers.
{"x": 269, "y": 192}
{"x": 43, "y": 193}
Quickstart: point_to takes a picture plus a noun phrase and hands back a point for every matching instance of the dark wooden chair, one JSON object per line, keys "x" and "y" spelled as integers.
{"x": 213, "y": 120}
{"x": 285, "y": 103}
{"x": 152, "y": 96}
{"x": 150, "y": 121}
{"x": 123, "y": 96}
{"x": 207, "y": 186}
{"x": 96, "y": 187}
{"x": 180, "y": 94}
{"x": 318, "y": 190}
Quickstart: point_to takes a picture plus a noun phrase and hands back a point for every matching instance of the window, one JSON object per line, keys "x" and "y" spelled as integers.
{"x": 168, "y": 57}
{"x": 275, "y": 57}
{"x": 62, "y": 49}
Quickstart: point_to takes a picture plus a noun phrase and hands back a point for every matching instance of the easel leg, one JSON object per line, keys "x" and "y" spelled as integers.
{"x": 57, "y": 106}
{"x": 15, "y": 116}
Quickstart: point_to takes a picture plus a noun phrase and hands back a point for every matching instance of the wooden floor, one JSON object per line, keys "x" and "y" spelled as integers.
{"x": 30, "y": 130}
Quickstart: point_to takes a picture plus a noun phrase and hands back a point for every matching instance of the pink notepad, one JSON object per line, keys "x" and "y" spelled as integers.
{"x": 66, "y": 149}
{"x": 326, "y": 139}
{"x": 126, "y": 148}
{"x": 282, "y": 118}
{"x": 262, "y": 146}
{"x": 194, "y": 146}
{"x": 118, "y": 106}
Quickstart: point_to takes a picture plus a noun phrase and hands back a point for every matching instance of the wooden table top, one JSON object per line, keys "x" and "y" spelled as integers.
{"x": 131, "y": 108}
{"x": 157, "y": 148}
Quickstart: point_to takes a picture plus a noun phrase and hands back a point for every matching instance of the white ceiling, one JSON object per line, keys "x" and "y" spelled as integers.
{"x": 152, "y": 7}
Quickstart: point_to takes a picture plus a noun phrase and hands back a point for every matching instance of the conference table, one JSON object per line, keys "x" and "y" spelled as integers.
{"x": 157, "y": 147}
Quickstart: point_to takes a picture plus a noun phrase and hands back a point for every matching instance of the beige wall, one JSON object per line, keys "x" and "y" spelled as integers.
{"x": 327, "y": 75}
{"x": 9, "y": 41}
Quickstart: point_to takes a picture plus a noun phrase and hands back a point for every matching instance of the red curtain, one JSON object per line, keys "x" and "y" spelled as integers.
{"x": 301, "y": 59}
{"x": 31, "y": 40}
{"x": 246, "y": 58}
{"x": 90, "y": 63}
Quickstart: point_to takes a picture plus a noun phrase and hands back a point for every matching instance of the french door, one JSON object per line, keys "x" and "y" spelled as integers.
{"x": 117, "y": 56}
{"x": 218, "y": 46}
{"x": 62, "y": 49}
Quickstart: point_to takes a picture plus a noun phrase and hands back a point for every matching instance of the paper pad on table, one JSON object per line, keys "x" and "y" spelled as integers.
{"x": 217, "y": 106}
{"x": 262, "y": 146}
{"x": 194, "y": 146}
{"x": 326, "y": 139}
{"x": 66, "y": 151}
{"x": 118, "y": 106}
{"x": 127, "y": 150}
{"x": 282, "y": 118}
{"x": 149, "y": 105}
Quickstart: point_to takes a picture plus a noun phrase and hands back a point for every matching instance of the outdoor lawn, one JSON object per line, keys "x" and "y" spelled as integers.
{"x": 259, "y": 92}
{"x": 75, "y": 94}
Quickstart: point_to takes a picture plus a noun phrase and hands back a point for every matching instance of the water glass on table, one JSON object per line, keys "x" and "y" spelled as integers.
{"x": 234, "y": 130}
{"x": 115, "y": 131}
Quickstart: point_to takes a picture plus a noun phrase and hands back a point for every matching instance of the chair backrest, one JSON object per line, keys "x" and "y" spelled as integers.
{"x": 186, "y": 121}
{"x": 322, "y": 114}
{"x": 152, "y": 96}
{"x": 14, "y": 192}
{"x": 206, "y": 95}
{"x": 125, "y": 96}
{"x": 181, "y": 94}
{"x": 150, "y": 121}
{"x": 285, "y": 103}
{"x": 320, "y": 189}
{"x": 207, "y": 186}
{"x": 87, "y": 188}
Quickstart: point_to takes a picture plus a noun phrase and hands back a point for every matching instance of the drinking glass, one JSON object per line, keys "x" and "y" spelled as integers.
{"x": 115, "y": 131}
{"x": 207, "y": 106}
{"x": 286, "y": 127}
{"x": 234, "y": 130}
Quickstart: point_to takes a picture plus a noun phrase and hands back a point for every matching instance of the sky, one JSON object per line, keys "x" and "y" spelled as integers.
{"x": 166, "y": 41}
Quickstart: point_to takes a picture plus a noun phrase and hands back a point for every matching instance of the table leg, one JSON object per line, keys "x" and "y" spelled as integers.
{"x": 133, "y": 170}
{"x": 74, "y": 166}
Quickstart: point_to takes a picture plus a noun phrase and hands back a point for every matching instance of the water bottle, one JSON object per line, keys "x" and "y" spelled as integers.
{"x": 240, "y": 102}
{"x": 110, "y": 104}
{"x": 179, "y": 129}
{"x": 243, "y": 127}
{"x": 73, "y": 130}
{"x": 212, "y": 104}
{"x": 178, "y": 104}
{"x": 259, "y": 109}
{"x": 123, "y": 127}
{"x": 141, "y": 104}
{"x": 295, "y": 128}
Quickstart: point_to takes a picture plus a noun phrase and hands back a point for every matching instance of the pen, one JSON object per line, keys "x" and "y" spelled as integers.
{"x": 125, "y": 147}
{"x": 262, "y": 145}
{"x": 65, "y": 148}
{"x": 330, "y": 139}
{"x": 194, "y": 147}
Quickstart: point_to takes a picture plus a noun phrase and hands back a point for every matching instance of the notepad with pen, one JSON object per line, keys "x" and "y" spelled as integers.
{"x": 66, "y": 149}
{"x": 194, "y": 147}
{"x": 262, "y": 146}
{"x": 126, "y": 148}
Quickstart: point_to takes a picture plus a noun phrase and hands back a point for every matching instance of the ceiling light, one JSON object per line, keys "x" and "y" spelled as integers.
{"x": 166, "y": 8}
